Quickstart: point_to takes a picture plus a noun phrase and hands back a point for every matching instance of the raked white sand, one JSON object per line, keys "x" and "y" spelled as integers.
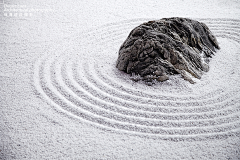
{"x": 62, "y": 97}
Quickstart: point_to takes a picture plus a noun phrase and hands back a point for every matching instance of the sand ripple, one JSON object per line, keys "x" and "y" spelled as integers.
{"x": 89, "y": 88}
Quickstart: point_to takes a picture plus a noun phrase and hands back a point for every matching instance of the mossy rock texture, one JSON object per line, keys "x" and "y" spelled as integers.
{"x": 156, "y": 49}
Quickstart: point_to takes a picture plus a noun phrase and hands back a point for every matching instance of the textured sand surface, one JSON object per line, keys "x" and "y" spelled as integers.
{"x": 61, "y": 96}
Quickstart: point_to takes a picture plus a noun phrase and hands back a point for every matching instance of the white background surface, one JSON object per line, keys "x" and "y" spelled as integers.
{"x": 30, "y": 128}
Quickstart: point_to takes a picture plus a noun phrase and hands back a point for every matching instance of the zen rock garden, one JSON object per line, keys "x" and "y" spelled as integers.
{"x": 157, "y": 49}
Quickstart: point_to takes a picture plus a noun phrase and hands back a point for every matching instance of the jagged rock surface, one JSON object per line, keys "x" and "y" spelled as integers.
{"x": 157, "y": 49}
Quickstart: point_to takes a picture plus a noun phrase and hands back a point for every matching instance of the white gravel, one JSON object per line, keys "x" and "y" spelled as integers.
{"x": 61, "y": 96}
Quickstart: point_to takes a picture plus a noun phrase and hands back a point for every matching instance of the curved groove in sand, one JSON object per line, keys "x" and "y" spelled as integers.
{"x": 84, "y": 92}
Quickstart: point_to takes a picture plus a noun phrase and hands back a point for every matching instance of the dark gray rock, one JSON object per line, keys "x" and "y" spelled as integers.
{"x": 165, "y": 47}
